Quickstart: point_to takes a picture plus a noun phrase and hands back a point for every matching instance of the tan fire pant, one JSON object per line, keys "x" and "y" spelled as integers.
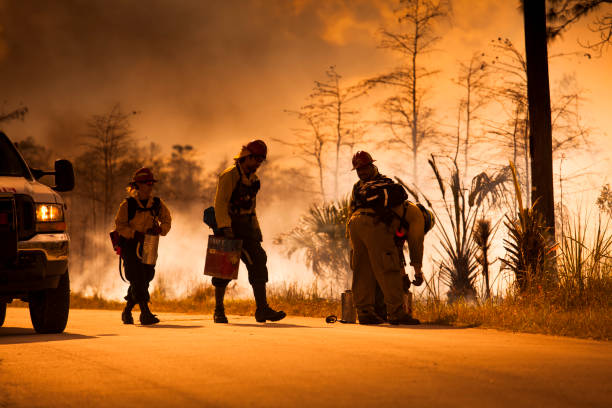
{"x": 375, "y": 259}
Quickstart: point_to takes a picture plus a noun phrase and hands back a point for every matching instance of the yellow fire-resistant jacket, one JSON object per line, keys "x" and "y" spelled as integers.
{"x": 228, "y": 180}
{"x": 143, "y": 220}
{"x": 413, "y": 217}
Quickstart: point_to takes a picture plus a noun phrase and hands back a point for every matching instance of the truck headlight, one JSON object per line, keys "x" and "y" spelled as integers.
{"x": 50, "y": 218}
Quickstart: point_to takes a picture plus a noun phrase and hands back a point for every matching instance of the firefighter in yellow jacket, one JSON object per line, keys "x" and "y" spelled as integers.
{"x": 138, "y": 214}
{"x": 235, "y": 201}
{"x": 379, "y": 211}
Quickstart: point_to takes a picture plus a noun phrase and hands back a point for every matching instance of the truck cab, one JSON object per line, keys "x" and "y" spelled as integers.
{"x": 34, "y": 240}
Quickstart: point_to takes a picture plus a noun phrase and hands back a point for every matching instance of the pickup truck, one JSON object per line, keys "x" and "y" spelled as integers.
{"x": 34, "y": 241}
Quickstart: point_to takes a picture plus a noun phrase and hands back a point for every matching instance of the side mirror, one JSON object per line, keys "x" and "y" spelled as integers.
{"x": 64, "y": 176}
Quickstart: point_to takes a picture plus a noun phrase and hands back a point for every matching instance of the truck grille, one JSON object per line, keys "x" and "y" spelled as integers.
{"x": 8, "y": 230}
{"x": 26, "y": 216}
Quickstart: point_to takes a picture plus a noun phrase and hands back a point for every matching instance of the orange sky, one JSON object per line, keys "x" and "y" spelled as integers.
{"x": 215, "y": 74}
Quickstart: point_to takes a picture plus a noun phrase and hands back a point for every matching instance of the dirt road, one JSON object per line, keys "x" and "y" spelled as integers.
{"x": 188, "y": 361}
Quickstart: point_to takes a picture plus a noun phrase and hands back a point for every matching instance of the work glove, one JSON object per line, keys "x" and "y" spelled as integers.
{"x": 154, "y": 230}
{"x": 227, "y": 232}
{"x": 139, "y": 236}
{"x": 418, "y": 278}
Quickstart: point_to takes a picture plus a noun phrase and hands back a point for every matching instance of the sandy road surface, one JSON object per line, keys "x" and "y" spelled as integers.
{"x": 188, "y": 361}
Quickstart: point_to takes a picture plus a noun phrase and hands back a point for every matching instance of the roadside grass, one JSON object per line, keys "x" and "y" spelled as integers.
{"x": 292, "y": 298}
{"x": 521, "y": 315}
{"x": 530, "y": 313}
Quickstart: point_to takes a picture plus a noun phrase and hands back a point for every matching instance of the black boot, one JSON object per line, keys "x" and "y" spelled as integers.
{"x": 146, "y": 317}
{"x": 368, "y": 317}
{"x": 264, "y": 311}
{"x": 219, "y": 316}
{"x": 404, "y": 318}
{"x": 126, "y": 315}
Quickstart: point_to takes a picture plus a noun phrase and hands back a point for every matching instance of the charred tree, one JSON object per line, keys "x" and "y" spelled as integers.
{"x": 538, "y": 96}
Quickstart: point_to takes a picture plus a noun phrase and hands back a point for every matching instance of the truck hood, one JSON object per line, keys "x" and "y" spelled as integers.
{"x": 39, "y": 192}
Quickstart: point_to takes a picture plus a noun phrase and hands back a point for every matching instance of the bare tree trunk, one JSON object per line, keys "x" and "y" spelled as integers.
{"x": 538, "y": 94}
{"x": 320, "y": 164}
{"x": 526, "y": 144}
{"x": 458, "y": 133}
{"x": 467, "y": 118}
{"x": 415, "y": 148}
{"x": 338, "y": 140}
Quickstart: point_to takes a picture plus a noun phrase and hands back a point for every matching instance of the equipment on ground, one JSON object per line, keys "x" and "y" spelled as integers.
{"x": 407, "y": 305}
{"x": 349, "y": 314}
{"x": 222, "y": 257}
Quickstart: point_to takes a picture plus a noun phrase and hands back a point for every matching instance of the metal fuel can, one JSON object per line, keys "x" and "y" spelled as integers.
{"x": 222, "y": 257}
{"x": 349, "y": 314}
{"x": 407, "y": 306}
{"x": 148, "y": 252}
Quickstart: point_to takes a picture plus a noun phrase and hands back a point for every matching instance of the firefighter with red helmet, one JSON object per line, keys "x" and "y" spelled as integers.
{"x": 378, "y": 211}
{"x": 139, "y": 214}
{"x": 235, "y": 201}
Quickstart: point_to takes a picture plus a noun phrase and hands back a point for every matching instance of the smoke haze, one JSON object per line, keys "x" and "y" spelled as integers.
{"x": 215, "y": 74}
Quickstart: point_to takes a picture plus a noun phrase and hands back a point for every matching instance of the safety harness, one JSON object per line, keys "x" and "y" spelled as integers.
{"x": 243, "y": 195}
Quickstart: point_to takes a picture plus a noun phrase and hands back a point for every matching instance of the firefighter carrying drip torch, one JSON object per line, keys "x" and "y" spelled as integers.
{"x": 236, "y": 218}
{"x": 139, "y": 214}
{"x": 378, "y": 212}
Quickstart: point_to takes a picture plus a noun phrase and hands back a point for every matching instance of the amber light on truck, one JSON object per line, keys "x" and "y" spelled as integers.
{"x": 50, "y": 218}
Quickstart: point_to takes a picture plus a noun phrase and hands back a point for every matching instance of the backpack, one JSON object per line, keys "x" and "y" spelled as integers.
{"x": 430, "y": 221}
{"x": 380, "y": 193}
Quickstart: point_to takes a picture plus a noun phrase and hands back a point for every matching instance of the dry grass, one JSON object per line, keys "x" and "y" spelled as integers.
{"x": 527, "y": 313}
{"x": 521, "y": 315}
{"x": 292, "y": 298}
{"x": 577, "y": 305}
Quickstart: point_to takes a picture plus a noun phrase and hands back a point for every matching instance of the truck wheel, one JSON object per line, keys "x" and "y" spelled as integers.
{"x": 2, "y": 313}
{"x": 49, "y": 307}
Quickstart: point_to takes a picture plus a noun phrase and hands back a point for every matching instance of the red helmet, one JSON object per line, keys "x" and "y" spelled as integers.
{"x": 257, "y": 148}
{"x": 143, "y": 175}
{"x": 362, "y": 158}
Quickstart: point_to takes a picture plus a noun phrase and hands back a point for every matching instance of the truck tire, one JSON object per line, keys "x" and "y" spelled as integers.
{"x": 2, "y": 313}
{"x": 49, "y": 307}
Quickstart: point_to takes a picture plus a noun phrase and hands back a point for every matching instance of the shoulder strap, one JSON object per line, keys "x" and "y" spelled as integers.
{"x": 156, "y": 207}
{"x": 132, "y": 207}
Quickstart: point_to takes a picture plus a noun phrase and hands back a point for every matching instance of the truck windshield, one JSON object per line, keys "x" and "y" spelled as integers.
{"x": 10, "y": 162}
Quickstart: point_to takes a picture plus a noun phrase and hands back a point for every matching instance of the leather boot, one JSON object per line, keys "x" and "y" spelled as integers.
{"x": 367, "y": 317}
{"x": 146, "y": 317}
{"x": 219, "y": 315}
{"x": 403, "y": 318}
{"x": 126, "y": 315}
{"x": 264, "y": 311}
